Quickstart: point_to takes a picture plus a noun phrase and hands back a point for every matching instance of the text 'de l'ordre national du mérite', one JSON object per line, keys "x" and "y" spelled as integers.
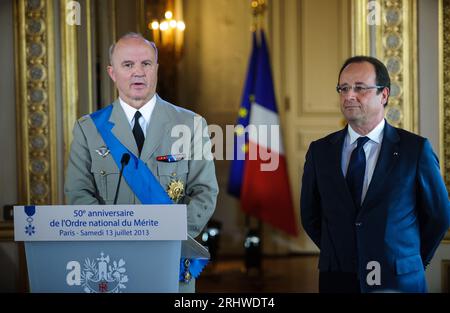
{"x": 102, "y": 222}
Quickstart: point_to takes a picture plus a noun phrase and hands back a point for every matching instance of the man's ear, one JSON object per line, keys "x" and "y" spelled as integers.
{"x": 385, "y": 95}
{"x": 111, "y": 74}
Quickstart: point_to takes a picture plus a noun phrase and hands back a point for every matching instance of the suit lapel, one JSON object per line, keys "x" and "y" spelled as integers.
{"x": 337, "y": 142}
{"x": 157, "y": 131}
{"x": 121, "y": 128}
{"x": 386, "y": 160}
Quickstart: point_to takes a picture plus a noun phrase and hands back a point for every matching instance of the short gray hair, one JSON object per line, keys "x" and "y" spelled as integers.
{"x": 131, "y": 35}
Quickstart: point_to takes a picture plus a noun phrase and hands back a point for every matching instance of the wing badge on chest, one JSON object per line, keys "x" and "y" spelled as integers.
{"x": 102, "y": 151}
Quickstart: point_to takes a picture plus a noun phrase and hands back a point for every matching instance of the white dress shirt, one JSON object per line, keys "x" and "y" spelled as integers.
{"x": 145, "y": 110}
{"x": 371, "y": 150}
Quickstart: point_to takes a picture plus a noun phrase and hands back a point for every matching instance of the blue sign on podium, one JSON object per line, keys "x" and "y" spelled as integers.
{"x": 98, "y": 248}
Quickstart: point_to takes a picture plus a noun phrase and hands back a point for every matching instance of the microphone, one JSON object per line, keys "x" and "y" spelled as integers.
{"x": 123, "y": 162}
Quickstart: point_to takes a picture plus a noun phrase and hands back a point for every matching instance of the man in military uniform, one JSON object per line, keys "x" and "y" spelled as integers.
{"x": 140, "y": 123}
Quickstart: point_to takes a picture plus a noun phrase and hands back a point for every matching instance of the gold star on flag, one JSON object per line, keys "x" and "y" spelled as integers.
{"x": 243, "y": 112}
{"x": 251, "y": 98}
{"x": 244, "y": 148}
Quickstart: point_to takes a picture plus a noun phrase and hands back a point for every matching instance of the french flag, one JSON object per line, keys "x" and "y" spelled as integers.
{"x": 265, "y": 191}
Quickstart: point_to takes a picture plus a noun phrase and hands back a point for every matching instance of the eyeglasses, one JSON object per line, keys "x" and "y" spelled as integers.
{"x": 359, "y": 89}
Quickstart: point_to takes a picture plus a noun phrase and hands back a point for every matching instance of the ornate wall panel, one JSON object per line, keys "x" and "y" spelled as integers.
{"x": 36, "y": 125}
{"x": 386, "y": 29}
{"x": 308, "y": 42}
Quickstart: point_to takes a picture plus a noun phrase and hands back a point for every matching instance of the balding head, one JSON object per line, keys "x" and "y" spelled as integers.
{"x": 129, "y": 36}
{"x": 134, "y": 69}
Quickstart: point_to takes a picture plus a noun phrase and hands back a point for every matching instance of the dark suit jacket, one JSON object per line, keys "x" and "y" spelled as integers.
{"x": 404, "y": 215}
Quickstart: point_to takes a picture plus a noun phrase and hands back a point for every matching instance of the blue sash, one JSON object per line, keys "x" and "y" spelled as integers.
{"x": 141, "y": 180}
{"x": 138, "y": 176}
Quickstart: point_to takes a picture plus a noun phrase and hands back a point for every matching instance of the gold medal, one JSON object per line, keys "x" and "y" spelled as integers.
{"x": 175, "y": 190}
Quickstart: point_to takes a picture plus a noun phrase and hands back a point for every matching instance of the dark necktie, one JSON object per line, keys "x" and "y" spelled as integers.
{"x": 137, "y": 132}
{"x": 355, "y": 171}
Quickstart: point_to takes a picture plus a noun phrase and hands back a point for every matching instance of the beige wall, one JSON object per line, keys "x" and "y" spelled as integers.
{"x": 308, "y": 40}
{"x": 212, "y": 72}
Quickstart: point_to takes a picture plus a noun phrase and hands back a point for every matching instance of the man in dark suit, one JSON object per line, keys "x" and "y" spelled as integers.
{"x": 372, "y": 199}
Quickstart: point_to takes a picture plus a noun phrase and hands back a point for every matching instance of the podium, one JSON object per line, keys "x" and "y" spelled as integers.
{"x": 105, "y": 249}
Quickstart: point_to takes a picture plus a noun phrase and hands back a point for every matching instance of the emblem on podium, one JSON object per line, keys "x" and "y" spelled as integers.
{"x": 103, "y": 276}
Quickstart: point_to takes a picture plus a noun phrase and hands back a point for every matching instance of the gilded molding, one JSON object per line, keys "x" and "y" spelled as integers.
{"x": 394, "y": 41}
{"x": 360, "y": 36}
{"x": 35, "y": 97}
{"x": 6, "y": 231}
{"x": 398, "y": 49}
{"x": 140, "y": 21}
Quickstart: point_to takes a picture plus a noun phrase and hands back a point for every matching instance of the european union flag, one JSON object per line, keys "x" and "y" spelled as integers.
{"x": 240, "y": 136}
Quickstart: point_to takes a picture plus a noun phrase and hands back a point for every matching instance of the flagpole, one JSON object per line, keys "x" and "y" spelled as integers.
{"x": 259, "y": 9}
{"x": 254, "y": 251}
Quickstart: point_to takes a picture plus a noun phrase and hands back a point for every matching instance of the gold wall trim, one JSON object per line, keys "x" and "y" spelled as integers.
{"x": 69, "y": 74}
{"x": 360, "y": 36}
{"x": 140, "y": 20}
{"x": 444, "y": 69}
{"x": 35, "y": 102}
{"x": 6, "y": 231}
{"x": 394, "y": 41}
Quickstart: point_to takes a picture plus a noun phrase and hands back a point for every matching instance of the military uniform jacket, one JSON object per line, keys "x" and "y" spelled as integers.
{"x": 92, "y": 178}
